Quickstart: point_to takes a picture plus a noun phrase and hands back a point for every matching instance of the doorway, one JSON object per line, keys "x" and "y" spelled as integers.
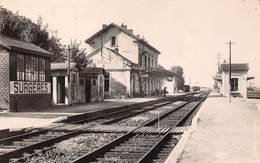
{"x": 60, "y": 89}
{"x": 88, "y": 90}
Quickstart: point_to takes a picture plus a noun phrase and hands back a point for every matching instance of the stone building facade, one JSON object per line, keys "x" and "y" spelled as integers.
{"x": 131, "y": 61}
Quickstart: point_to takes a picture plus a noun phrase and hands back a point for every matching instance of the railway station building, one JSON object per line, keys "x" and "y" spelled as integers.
{"x": 25, "y": 78}
{"x": 239, "y": 78}
{"x": 87, "y": 85}
{"x": 131, "y": 61}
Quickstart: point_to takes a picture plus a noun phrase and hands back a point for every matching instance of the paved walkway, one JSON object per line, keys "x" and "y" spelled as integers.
{"x": 15, "y": 120}
{"x": 226, "y": 132}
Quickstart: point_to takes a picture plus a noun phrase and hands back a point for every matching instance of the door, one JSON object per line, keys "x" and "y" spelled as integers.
{"x": 88, "y": 90}
{"x": 60, "y": 89}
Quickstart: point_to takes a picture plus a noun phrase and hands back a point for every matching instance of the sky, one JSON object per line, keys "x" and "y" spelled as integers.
{"x": 188, "y": 33}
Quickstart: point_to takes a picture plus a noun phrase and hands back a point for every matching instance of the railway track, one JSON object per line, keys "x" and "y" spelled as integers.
{"x": 18, "y": 147}
{"x": 145, "y": 143}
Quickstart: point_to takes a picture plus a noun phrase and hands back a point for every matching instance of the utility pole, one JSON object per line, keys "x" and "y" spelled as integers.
{"x": 230, "y": 43}
{"x": 69, "y": 76}
{"x": 218, "y": 57}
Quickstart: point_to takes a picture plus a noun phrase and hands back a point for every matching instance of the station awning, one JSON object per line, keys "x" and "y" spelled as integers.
{"x": 93, "y": 71}
{"x": 159, "y": 72}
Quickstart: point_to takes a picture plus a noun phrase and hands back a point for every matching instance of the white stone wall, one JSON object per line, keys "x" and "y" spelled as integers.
{"x": 125, "y": 44}
{"x": 120, "y": 83}
{"x": 242, "y": 83}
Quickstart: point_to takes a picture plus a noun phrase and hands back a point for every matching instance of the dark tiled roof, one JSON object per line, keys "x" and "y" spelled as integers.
{"x": 14, "y": 44}
{"x": 235, "y": 67}
{"x": 62, "y": 66}
{"x": 123, "y": 30}
{"x": 160, "y": 71}
{"x": 93, "y": 70}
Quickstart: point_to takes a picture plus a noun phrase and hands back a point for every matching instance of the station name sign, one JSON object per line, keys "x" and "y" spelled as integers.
{"x": 24, "y": 87}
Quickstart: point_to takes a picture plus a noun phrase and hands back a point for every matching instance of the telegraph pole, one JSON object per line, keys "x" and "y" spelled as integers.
{"x": 218, "y": 57}
{"x": 69, "y": 76}
{"x": 230, "y": 43}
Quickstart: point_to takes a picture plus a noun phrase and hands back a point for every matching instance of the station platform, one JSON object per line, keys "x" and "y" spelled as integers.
{"x": 40, "y": 118}
{"x": 222, "y": 132}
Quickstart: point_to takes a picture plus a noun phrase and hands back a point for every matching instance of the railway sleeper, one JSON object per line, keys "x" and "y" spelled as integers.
{"x": 142, "y": 140}
{"x": 23, "y": 143}
{"x": 158, "y": 160}
{"x": 122, "y": 148}
{"x": 114, "y": 160}
{"x": 5, "y": 150}
{"x": 124, "y": 155}
{"x": 135, "y": 144}
{"x": 14, "y": 147}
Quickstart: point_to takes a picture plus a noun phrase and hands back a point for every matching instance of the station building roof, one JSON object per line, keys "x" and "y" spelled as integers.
{"x": 120, "y": 28}
{"x": 235, "y": 67}
{"x": 21, "y": 46}
{"x": 62, "y": 66}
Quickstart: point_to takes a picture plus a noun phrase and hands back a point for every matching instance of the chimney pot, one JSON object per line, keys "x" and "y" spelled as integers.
{"x": 104, "y": 25}
{"x": 124, "y": 26}
{"x": 130, "y": 31}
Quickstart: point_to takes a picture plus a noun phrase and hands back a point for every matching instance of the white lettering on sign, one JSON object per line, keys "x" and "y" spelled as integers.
{"x": 24, "y": 87}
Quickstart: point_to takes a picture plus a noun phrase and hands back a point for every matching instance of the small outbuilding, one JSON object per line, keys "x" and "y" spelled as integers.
{"x": 238, "y": 83}
{"x": 86, "y": 85}
{"x": 25, "y": 81}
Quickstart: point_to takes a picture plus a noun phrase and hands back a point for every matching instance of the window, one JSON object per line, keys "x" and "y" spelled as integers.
{"x": 42, "y": 68}
{"x": 94, "y": 82}
{"x": 106, "y": 84}
{"x": 113, "y": 41}
{"x": 30, "y": 68}
{"x": 140, "y": 59}
{"x": 145, "y": 62}
{"x": 20, "y": 67}
{"x": 149, "y": 65}
{"x": 234, "y": 84}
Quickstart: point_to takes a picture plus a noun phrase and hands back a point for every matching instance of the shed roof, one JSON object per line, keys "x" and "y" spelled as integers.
{"x": 93, "y": 71}
{"x": 14, "y": 44}
{"x": 62, "y": 66}
{"x": 160, "y": 71}
{"x": 123, "y": 30}
{"x": 235, "y": 67}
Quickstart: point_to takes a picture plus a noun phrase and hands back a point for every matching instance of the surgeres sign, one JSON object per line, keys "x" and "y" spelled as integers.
{"x": 24, "y": 87}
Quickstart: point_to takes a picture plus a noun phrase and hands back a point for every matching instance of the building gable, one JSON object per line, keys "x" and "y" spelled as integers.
{"x": 109, "y": 59}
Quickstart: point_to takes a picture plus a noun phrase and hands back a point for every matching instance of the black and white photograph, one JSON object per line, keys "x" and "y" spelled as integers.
{"x": 129, "y": 81}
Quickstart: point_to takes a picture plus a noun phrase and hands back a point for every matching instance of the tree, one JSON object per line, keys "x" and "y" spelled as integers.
{"x": 179, "y": 80}
{"x": 77, "y": 54}
{"x": 22, "y": 28}
{"x": 82, "y": 60}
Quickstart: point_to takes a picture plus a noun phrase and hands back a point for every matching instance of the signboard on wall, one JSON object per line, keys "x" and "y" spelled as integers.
{"x": 26, "y": 87}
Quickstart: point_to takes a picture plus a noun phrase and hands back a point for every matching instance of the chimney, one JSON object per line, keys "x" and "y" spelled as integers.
{"x": 138, "y": 36}
{"x": 130, "y": 31}
{"x": 124, "y": 26}
{"x": 104, "y": 25}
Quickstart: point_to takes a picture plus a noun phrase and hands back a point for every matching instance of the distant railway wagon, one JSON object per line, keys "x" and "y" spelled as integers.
{"x": 186, "y": 88}
{"x": 25, "y": 81}
{"x": 195, "y": 88}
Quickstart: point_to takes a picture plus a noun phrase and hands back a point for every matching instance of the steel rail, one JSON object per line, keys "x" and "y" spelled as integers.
{"x": 18, "y": 152}
{"x": 92, "y": 155}
{"x": 150, "y": 154}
